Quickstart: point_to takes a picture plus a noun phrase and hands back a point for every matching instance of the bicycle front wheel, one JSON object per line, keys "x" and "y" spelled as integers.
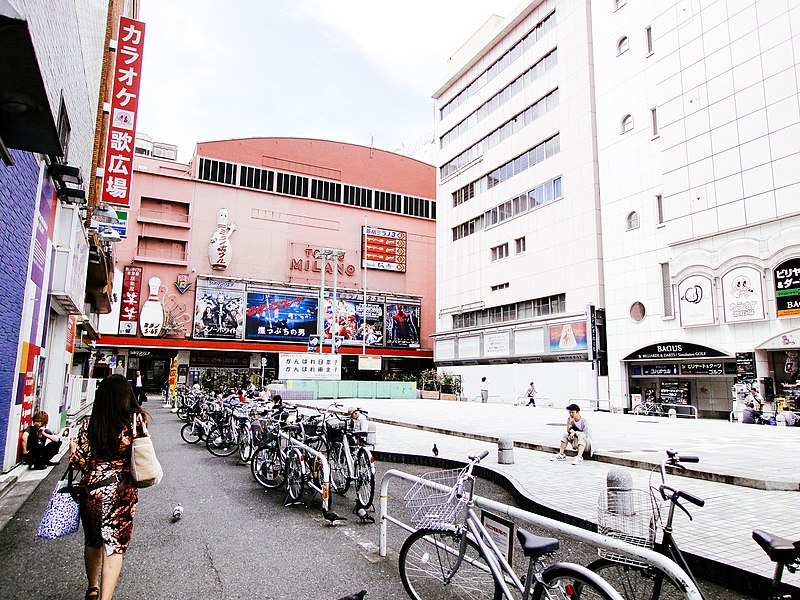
{"x": 245, "y": 444}
{"x": 294, "y": 474}
{"x": 220, "y": 442}
{"x": 637, "y": 582}
{"x": 567, "y": 581}
{"x": 191, "y": 433}
{"x": 340, "y": 477}
{"x": 267, "y": 467}
{"x": 427, "y": 562}
{"x": 365, "y": 479}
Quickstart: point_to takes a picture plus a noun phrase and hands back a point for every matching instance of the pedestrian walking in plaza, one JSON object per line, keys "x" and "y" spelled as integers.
{"x": 530, "y": 394}
{"x": 484, "y": 390}
{"x": 578, "y": 436}
{"x": 138, "y": 388}
{"x": 102, "y": 450}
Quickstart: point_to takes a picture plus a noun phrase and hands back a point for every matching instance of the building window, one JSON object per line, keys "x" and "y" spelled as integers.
{"x": 622, "y": 45}
{"x": 499, "y": 252}
{"x": 654, "y": 121}
{"x": 519, "y": 245}
{"x": 637, "y": 312}
{"x": 500, "y": 286}
{"x": 64, "y": 130}
{"x": 648, "y": 40}
{"x": 666, "y": 286}
{"x": 626, "y": 124}
{"x": 632, "y": 221}
{"x": 659, "y": 210}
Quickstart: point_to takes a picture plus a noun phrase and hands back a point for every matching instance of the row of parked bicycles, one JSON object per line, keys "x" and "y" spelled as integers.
{"x": 285, "y": 447}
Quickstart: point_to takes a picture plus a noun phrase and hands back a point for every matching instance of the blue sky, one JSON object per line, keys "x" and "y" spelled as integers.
{"x": 345, "y": 70}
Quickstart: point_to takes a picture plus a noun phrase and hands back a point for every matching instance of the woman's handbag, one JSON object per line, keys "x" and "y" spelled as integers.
{"x": 61, "y": 516}
{"x": 145, "y": 468}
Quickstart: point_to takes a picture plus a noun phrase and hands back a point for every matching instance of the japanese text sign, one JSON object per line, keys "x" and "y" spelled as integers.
{"x": 384, "y": 249}
{"x": 129, "y": 303}
{"x": 118, "y": 163}
{"x": 309, "y": 366}
{"x": 787, "y": 288}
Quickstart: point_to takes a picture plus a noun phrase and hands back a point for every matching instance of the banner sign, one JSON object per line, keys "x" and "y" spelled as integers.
{"x": 402, "y": 323}
{"x": 219, "y": 313}
{"x": 129, "y": 307}
{"x": 280, "y": 315}
{"x": 742, "y": 295}
{"x": 349, "y": 321}
{"x": 384, "y": 249}
{"x": 302, "y": 365}
{"x": 787, "y": 288}
{"x": 696, "y": 297}
{"x": 118, "y": 165}
{"x": 121, "y": 228}
{"x": 568, "y": 337}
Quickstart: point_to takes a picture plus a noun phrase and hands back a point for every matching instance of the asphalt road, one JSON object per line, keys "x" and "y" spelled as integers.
{"x": 235, "y": 540}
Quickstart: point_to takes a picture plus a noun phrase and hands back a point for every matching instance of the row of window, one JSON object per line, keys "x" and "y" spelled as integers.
{"x": 632, "y": 220}
{"x": 545, "y": 193}
{"x": 527, "y": 309}
{"x": 534, "y": 35}
{"x": 318, "y": 189}
{"x": 538, "y": 196}
{"x": 623, "y": 44}
{"x": 501, "y": 251}
{"x": 545, "y": 104}
{"x": 524, "y": 161}
{"x": 544, "y": 64}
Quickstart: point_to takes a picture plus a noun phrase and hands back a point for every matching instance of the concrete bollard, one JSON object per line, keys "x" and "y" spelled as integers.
{"x": 372, "y": 434}
{"x": 619, "y": 483}
{"x": 505, "y": 451}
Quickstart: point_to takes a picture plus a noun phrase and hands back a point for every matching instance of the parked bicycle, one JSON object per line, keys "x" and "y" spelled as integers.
{"x": 634, "y": 516}
{"x": 648, "y": 408}
{"x": 350, "y": 458}
{"x": 452, "y": 555}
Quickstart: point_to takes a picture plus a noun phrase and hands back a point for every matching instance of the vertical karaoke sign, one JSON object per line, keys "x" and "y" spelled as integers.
{"x": 118, "y": 166}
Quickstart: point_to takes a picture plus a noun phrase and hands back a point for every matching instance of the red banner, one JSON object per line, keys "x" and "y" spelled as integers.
{"x": 72, "y": 320}
{"x": 129, "y": 303}
{"x": 384, "y": 249}
{"x": 118, "y": 165}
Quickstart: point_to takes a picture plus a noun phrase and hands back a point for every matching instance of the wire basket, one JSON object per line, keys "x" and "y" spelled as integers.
{"x": 433, "y": 507}
{"x": 627, "y": 515}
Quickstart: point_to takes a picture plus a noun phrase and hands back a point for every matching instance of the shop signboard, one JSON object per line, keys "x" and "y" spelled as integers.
{"x": 659, "y": 370}
{"x": 674, "y": 392}
{"x": 673, "y": 350}
{"x": 384, "y": 249}
{"x": 280, "y": 314}
{"x": 219, "y": 310}
{"x": 696, "y": 299}
{"x": 303, "y": 365}
{"x": 745, "y": 366}
{"x": 129, "y": 301}
{"x": 369, "y": 363}
{"x": 742, "y": 295}
{"x": 787, "y": 288}
{"x": 568, "y": 337}
{"x": 118, "y": 165}
{"x": 402, "y": 323}
{"x": 715, "y": 368}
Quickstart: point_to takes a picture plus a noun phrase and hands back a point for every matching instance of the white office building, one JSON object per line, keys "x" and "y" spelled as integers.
{"x": 637, "y": 157}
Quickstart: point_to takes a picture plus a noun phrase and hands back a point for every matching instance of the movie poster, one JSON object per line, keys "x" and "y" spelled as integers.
{"x": 402, "y": 323}
{"x": 349, "y": 322}
{"x": 280, "y": 315}
{"x": 219, "y": 313}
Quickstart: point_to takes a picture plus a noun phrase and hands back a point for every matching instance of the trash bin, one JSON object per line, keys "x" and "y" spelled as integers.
{"x": 372, "y": 436}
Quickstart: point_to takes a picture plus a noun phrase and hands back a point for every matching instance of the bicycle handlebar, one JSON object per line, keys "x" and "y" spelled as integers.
{"x": 676, "y": 494}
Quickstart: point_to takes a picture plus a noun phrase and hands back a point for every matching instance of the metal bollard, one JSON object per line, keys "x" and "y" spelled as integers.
{"x": 505, "y": 451}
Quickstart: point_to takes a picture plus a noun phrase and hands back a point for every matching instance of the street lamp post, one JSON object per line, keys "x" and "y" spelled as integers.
{"x": 327, "y": 254}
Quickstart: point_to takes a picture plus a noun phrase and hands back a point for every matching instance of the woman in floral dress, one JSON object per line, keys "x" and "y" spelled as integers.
{"x": 102, "y": 450}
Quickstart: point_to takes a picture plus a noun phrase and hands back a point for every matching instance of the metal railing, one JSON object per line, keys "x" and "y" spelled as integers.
{"x": 325, "y": 492}
{"x": 644, "y": 555}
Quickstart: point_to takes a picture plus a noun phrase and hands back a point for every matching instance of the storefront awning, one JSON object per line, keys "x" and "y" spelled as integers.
{"x": 789, "y": 340}
{"x": 675, "y": 351}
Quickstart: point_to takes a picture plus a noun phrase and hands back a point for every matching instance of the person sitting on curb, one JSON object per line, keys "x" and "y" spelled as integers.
{"x": 578, "y": 436}
{"x": 40, "y": 445}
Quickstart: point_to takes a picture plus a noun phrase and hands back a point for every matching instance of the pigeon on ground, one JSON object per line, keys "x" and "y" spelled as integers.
{"x": 177, "y": 513}
{"x": 435, "y": 450}
{"x": 357, "y": 596}
{"x": 364, "y": 515}
{"x": 331, "y": 517}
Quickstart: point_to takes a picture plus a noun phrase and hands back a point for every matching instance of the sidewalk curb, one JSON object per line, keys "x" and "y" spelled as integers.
{"x": 784, "y": 485}
{"x": 706, "y": 568}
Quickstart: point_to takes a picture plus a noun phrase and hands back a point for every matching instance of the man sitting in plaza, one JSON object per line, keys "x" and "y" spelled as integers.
{"x": 578, "y": 436}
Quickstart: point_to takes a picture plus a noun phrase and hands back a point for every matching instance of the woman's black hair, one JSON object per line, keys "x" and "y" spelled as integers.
{"x": 114, "y": 405}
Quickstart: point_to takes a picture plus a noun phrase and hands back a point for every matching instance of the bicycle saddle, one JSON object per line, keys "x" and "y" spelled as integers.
{"x": 778, "y": 549}
{"x": 534, "y": 546}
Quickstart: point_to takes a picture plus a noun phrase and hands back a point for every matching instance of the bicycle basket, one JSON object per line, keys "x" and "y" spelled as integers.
{"x": 627, "y": 515}
{"x": 262, "y": 431}
{"x": 433, "y": 507}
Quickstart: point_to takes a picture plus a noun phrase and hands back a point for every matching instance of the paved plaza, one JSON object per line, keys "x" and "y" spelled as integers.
{"x": 758, "y": 456}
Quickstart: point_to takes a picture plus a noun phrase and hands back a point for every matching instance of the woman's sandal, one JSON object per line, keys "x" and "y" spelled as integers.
{"x": 93, "y": 593}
